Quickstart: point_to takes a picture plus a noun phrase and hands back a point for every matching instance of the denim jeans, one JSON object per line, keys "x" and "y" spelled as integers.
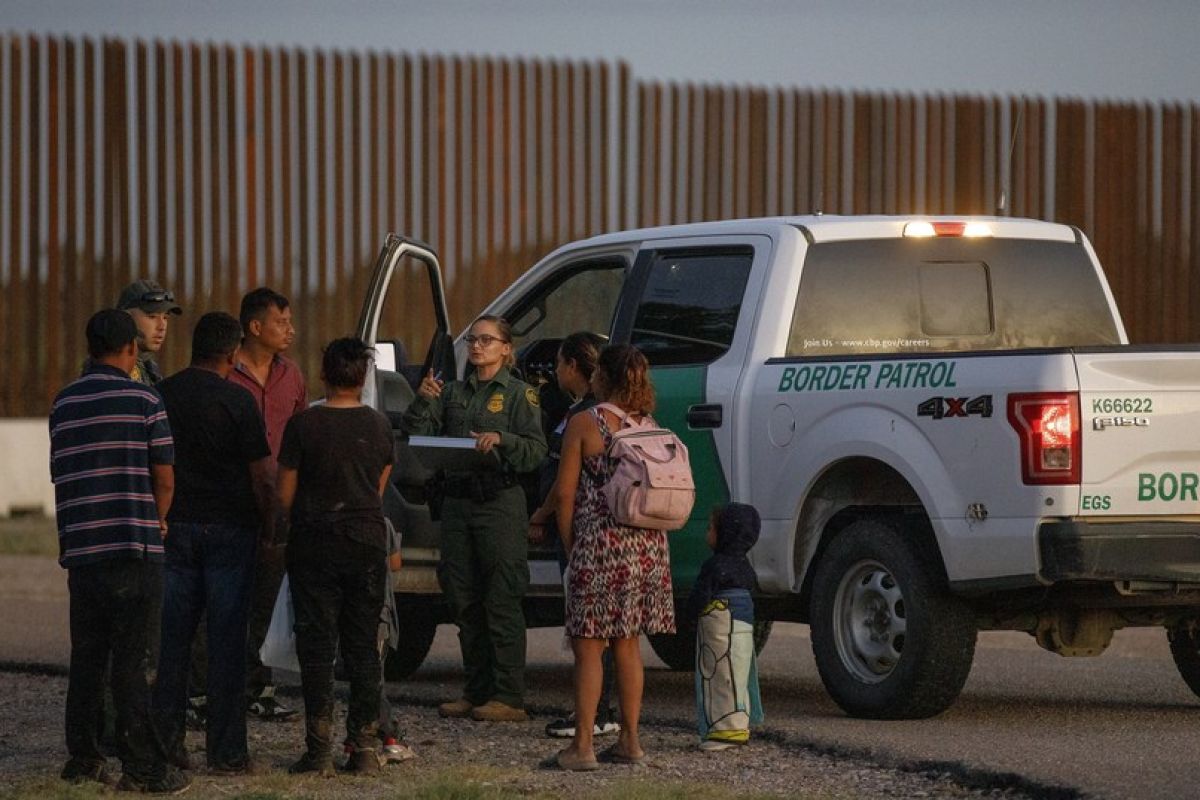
{"x": 337, "y": 591}
{"x": 209, "y": 569}
{"x": 113, "y": 607}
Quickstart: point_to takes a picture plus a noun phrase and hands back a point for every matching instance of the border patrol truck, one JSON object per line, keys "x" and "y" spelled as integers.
{"x": 940, "y": 421}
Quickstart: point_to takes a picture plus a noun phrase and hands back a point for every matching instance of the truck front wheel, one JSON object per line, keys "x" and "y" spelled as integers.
{"x": 416, "y": 637}
{"x": 890, "y": 642}
{"x": 1185, "y": 649}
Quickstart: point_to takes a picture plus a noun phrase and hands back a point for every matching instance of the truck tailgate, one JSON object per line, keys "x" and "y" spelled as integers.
{"x": 1140, "y": 426}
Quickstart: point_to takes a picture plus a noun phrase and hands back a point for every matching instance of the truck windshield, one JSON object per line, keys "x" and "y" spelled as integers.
{"x": 939, "y": 295}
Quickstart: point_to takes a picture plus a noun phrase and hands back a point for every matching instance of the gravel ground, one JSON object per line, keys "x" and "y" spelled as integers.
{"x": 494, "y": 760}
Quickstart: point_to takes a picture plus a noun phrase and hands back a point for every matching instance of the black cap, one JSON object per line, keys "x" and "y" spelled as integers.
{"x": 109, "y": 331}
{"x": 149, "y": 297}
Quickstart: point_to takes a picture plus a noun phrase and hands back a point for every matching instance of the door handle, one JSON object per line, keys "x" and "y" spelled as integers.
{"x": 705, "y": 415}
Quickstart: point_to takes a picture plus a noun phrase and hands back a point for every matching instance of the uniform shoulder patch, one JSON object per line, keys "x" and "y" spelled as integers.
{"x": 531, "y": 396}
{"x": 495, "y": 403}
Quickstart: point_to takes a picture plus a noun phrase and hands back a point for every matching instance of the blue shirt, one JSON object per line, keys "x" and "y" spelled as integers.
{"x": 105, "y": 431}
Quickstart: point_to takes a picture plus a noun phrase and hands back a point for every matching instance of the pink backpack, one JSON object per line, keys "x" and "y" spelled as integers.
{"x": 651, "y": 484}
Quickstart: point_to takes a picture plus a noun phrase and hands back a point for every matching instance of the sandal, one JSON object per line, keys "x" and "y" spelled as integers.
{"x": 573, "y": 763}
{"x": 612, "y": 755}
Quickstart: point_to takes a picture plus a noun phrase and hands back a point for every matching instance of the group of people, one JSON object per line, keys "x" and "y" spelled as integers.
{"x": 181, "y": 502}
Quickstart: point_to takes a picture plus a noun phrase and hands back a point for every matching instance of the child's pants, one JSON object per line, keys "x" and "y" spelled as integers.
{"x": 727, "y": 698}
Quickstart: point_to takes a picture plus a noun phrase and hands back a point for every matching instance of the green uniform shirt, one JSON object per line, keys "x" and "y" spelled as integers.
{"x": 505, "y": 404}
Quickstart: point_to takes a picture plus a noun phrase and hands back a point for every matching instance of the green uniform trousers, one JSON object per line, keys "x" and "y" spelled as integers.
{"x": 484, "y": 572}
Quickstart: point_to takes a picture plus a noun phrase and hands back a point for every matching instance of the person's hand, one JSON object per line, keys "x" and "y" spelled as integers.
{"x": 486, "y": 442}
{"x": 162, "y": 528}
{"x": 431, "y": 386}
{"x": 537, "y": 532}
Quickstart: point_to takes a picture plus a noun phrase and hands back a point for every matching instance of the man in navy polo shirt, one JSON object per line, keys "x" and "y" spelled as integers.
{"x": 110, "y": 459}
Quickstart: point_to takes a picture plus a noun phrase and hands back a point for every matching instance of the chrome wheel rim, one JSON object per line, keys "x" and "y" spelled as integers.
{"x": 869, "y": 621}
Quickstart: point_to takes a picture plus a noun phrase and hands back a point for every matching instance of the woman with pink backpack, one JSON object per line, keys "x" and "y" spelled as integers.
{"x": 619, "y": 585}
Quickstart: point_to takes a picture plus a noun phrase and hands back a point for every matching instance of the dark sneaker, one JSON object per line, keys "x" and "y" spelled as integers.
{"x": 77, "y": 771}
{"x": 173, "y": 781}
{"x": 322, "y": 765}
{"x": 564, "y": 727}
{"x": 197, "y": 713}
{"x": 247, "y": 767}
{"x": 266, "y": 707}
{"x": 179, "y": 759}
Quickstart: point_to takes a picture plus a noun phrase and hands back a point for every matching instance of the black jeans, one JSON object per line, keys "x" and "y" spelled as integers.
{"x": 209, "y": 569}
{"x": 337, "y": 592}
{"x": 114, "y": 605}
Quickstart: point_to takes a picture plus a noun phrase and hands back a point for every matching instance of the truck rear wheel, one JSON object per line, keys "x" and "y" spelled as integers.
{"x": 678, "y": 650}
{"x": 890, "y": 642}
{"x": 1185, "y": 649}
{"x": 416, "y": 637}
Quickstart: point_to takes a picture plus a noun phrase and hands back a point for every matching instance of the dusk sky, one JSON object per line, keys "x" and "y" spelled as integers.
{"x": 1104, "y": 49}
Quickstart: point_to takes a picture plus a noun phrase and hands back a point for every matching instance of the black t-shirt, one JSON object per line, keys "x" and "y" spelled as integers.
{"x": 339, "y": 454}
{"x": 218, "y": 433}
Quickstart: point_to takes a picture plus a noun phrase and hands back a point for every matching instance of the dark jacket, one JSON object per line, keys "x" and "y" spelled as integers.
{"x": 728, "y": 567}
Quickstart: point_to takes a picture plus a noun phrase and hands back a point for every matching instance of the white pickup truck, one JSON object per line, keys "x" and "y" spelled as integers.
{"x": 940, "y": 421}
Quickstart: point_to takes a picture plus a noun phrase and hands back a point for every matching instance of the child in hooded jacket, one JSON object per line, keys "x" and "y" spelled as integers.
{"x": 727, "y": 697}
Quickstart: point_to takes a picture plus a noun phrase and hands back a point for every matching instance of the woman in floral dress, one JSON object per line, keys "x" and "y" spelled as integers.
{"x": 620, "y": 577}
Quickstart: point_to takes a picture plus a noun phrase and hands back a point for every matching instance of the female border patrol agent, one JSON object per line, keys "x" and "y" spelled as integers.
{"x": 484, "y": 569}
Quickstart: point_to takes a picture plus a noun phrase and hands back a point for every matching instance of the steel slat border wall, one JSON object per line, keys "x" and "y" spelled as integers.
{"x": 214, "y": 168}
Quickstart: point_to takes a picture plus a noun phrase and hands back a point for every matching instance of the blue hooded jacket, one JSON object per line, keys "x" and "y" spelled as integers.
{"x": 728, "y": 568}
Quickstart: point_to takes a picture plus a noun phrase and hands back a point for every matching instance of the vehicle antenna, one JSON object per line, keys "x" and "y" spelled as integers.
{"x": 1002, "y": 204}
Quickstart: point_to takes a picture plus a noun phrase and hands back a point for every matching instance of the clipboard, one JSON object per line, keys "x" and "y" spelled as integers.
{"x": 451, "y": 453}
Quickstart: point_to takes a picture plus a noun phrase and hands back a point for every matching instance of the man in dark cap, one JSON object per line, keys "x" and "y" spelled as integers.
{"x": 150, "y": 305}
{"x": 111, "y": 455}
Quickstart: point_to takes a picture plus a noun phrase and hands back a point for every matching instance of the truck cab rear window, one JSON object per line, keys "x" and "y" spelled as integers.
{"x": 945, "y": 295}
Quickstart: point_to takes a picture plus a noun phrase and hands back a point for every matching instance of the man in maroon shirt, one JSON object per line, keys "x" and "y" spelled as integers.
{"x": 278, "y": 389}
{"x": 277, "y": 386}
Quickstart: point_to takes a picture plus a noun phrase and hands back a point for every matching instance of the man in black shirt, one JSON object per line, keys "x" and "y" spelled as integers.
{"x": 223, "y": 499}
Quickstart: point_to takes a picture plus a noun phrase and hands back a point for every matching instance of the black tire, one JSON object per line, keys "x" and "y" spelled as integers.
{"x": 890, "y": 641}
{"x": 416, "y": 637}
{"x": 678, "y": 650}
{"x": 1185, "y": 649}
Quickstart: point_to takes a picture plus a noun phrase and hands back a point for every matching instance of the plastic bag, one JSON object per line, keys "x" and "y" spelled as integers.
{"x": 279, "y": 647}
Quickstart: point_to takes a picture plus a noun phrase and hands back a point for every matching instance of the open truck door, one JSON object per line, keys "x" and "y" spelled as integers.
{"x": 404, "y": 317}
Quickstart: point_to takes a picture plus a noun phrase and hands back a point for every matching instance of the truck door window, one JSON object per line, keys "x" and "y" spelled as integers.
{"x": 576, "y": 298}
{"x": 689, "y": 309}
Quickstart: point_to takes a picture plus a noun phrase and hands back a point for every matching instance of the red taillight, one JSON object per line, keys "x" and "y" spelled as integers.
{"x": 1047, "y": 423}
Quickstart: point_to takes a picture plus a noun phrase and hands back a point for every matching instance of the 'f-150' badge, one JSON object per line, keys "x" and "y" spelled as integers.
{"x": 1100, "y": 423}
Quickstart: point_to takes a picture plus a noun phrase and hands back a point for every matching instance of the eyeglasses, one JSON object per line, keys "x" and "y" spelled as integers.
{"x": 483, "y": 339}
{"x": 156, "y": 297}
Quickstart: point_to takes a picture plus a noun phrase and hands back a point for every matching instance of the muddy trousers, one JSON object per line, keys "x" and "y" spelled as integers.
{"x": 337, "y": 592}
{"x": 113, "y": 608}
{"x": 484, "y": 572}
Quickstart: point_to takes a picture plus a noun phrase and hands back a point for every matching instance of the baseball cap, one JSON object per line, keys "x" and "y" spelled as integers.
{"x": 149, "y": 297}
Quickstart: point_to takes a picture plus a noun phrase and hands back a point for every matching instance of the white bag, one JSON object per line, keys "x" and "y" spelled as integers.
{"x": 279, "y": 647}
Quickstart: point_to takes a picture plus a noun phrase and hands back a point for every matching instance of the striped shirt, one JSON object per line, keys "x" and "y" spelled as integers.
{"x": 105, "y": 432}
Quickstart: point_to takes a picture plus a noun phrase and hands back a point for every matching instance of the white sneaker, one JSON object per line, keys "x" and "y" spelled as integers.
{"x": 395, "y": 751}
{"x": 715, "y": 745}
